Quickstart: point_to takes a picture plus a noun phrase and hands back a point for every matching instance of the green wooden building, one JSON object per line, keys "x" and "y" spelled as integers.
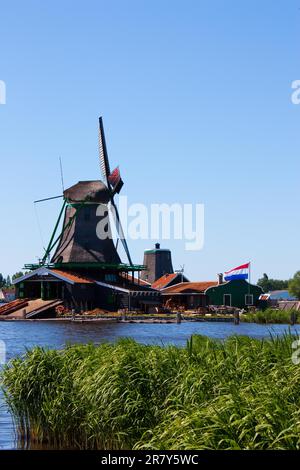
{"x": 236, "y": 293}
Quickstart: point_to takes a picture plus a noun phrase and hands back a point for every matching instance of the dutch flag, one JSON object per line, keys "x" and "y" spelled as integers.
{"x": 241, "y": 272}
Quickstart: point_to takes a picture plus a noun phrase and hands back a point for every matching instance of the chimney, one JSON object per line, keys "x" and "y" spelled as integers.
{"x": 157, "y": 246}
{"x": 220, "y": 278}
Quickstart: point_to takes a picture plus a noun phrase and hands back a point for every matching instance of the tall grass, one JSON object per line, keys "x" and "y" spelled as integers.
{"x": 271, "y": 315}
{"x": 238, "y": 394}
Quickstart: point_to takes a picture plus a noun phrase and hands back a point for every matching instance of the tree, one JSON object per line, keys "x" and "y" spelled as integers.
{"x": 8, "y": 281}
{"x": 294, "y": 285}
{"x": 2, "y": 281}
{"x": 17, "y": 275}
{"x": 272, "y": 284}
{"x": 264, "y": 282}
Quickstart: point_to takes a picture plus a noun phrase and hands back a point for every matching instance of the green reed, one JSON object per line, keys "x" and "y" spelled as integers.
{"x": 271, "y": 315}
{"x": 237, "y": 394}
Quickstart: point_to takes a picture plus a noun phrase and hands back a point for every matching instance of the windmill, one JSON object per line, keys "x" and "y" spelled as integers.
{"x": 85, "y": 270}
{"x": 158, "y": 262}
{"x": 85, "y": 205}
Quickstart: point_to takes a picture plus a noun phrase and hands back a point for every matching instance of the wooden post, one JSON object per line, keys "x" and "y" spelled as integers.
{"x": 237, "y": 317}
{"x": 42, "y": 291}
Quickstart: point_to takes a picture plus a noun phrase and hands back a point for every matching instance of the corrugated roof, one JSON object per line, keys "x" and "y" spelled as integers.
{"x": 189, "y": 286}
{"x": 136, "y": 280}
{"x": 73, "y": 277}
{"x": 63, "y": 275}
{"x": 128, "y": 287}
{"x": 164, "y": 280}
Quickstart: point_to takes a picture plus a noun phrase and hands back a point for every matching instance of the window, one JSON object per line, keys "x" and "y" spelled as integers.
{"x": 110, "y": 278}
{"x": 248, "y": 299}
{"x": 227, "y": 300}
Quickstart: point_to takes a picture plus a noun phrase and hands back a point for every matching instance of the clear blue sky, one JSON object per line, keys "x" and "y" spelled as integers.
{"x": 195, "y": 97}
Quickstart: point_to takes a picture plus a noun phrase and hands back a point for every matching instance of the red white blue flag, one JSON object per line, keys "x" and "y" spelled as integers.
{"x": 240, "y": 272}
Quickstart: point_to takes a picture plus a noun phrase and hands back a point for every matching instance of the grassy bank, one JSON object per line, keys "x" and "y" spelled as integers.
{"x": 240, "y": 394}
{"x": 271, "y": 315}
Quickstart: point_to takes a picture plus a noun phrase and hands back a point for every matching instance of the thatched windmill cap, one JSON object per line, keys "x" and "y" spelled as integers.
{"x": 89, "y": 191}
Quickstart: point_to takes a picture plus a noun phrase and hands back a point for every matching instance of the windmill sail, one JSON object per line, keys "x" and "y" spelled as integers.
{"x": 104, "y": 163}
{"x": 120, "y": 230}
{"x": 114, "y": 183}
{"x": 115, "y": 180}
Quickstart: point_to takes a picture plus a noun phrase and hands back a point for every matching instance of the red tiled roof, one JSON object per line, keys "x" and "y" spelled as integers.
{"x": 77, "y": 278}
{"x": 8, "y": 290}
{"x": 164, "y": 280}
{"x": 189, "y": 286}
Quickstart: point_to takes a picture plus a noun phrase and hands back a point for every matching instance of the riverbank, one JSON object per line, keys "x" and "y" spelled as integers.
{"x": 272, "y": 315}
{"x": 238, "y": 394}
{"x": 134, "y": 319}
{"x": 129, "y": 318}
{"x": 268, "y": 316}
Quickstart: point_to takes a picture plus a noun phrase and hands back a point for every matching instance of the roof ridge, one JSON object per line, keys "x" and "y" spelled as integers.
{"x": 186, "y": 285}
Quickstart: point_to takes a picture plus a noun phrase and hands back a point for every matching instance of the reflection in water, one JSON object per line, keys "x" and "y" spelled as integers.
{"x": 6, "y": 427}
{"x": 21, "y": 335}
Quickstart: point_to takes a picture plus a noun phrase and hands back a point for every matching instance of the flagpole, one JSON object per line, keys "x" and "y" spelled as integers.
{"x": 249, "y": 277}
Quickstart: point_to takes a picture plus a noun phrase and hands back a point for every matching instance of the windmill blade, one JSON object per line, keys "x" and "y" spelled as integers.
{"x": 106, "y": 176}
{"x": 47, "y": 199}
{"x": 115, "y": 181}
{"x": 103, "y": 156}
{"x": 61, "y": 174}
{"x": 120, "y": 230}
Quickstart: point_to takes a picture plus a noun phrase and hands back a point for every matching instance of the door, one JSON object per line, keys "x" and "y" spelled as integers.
{"x": 227, "y": 300}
